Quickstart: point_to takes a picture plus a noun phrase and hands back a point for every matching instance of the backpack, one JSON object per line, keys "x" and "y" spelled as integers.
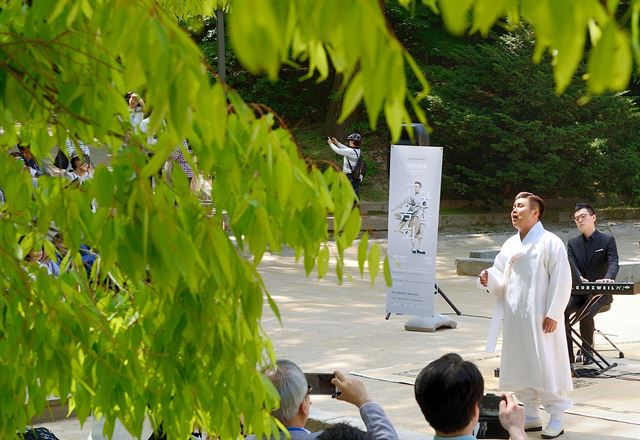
{"x": 37, "y": 434}
{"x": 360, "y": 170}
{"x": 61, "y": 161}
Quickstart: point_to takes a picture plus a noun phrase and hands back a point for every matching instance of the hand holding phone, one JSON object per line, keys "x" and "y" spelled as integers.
{"x": 351, "y": 390}
{"x": 512, "y": 416}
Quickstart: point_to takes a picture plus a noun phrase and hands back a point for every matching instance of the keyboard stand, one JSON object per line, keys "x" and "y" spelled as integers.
{"x": 591, "y": 352}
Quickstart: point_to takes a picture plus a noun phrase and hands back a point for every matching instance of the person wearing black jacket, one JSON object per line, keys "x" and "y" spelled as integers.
{"x": 593, "y": 257}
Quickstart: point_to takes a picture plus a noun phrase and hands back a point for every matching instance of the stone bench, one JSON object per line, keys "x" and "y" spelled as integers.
{"x": 485, "y": 253}
{"x": 481, "y": 260}
{"x": 472, "y": 266}
{"x": 629, "y": 272}
{"x": 477, "y": 262}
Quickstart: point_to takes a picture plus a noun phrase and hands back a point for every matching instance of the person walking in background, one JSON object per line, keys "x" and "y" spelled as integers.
{"x": 593, "y": 256}
{"x": 351, "y": 156}
{"x": 532, "y": 280}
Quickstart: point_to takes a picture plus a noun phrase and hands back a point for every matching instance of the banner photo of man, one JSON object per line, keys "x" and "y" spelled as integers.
{"x": 414, "y": 202}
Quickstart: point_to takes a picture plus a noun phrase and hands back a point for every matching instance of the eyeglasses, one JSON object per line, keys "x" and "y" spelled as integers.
{"x": 581, "y": 217}
{"x": 309, "y": 388}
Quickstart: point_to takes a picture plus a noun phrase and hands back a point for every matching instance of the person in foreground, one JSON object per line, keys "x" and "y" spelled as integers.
{"x": 593, "y": 256}
{"x": 532, "y": 280}
{"x": 295, "y": 403}
{"x": 449, "y": 391}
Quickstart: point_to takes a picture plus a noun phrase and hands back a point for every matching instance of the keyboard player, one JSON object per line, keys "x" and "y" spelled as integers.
{"x": 593, "y": 256}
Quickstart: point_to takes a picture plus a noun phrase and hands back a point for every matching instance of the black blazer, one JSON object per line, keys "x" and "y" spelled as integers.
{"x": 602, "y": 263}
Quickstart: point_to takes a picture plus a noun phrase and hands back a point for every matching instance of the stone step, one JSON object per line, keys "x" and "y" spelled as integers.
{"x": 369, "y": 223}
{"x": 367, "y": 207}
{"x": 629, "y": 272}
{"x": 54, "y": 410}
{"x": 472, "y": 266}
{"x": 484, "y": 253}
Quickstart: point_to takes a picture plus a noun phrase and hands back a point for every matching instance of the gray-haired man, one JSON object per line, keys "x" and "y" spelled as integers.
{"x": 295, "y": 403}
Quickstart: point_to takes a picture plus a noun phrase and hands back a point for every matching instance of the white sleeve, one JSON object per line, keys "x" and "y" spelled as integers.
{"x": 559, "y": 280}
{"x": 340, "y": 149}
{"x": 495, "y": 279}
{"x": 71, "y": 149}
{"x": 343, "y": 150}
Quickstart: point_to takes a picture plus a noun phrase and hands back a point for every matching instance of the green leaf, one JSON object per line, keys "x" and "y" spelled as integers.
{"x": 635, "y": 31}
{"x": 339, "y": 269}
{"x": 362, "y": 252}
{"x": 387, "y": 272}
{"x": 323, "y": 261}
{"x": 485, "y": 14}
{"x": 599, "y": 68}
{"x": 352, "y": 225}
{"x": 352, "y": 97}
{"x": 374, "y": 262}
{"x": 454, "y": 14}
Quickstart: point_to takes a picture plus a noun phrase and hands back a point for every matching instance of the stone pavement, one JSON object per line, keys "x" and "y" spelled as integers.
{"x": 326, "y": 326}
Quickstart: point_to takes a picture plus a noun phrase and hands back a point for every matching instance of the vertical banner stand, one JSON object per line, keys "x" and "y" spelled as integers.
{"x": 414, "y": 205}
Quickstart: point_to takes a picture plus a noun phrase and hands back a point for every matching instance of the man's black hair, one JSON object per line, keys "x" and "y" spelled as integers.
{"x": 448, "y": 390}
{"x": 74, "y": 162}
{"x": 344, "y": 431}
{"x": 586, "y": 206}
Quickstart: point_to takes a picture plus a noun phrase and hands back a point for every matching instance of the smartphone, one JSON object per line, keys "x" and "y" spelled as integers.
{"x": 321, "y": 383}
{"x": 490, "y": 405}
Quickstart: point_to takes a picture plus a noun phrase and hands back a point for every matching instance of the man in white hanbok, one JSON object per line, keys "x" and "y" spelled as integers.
{"x": 532, "y": 279}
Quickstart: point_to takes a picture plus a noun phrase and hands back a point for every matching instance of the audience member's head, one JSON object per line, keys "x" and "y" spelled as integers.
{"x": 294, "y": 391}
{"x": 75, "y": 163}
{"x": 25, "y": 152}
{"x": 136, "y": 103}
{"x": 344, "y": 431}
{"x": 449, "y": 391}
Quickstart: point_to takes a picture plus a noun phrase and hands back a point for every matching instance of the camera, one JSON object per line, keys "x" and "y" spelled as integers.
{"x": 489, "y": 422}
{"x": 320, "y": 383}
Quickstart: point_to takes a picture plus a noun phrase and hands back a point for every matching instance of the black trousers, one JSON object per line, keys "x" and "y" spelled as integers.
{"x": 587, "y": 326}
{"x": 355, "y": 183}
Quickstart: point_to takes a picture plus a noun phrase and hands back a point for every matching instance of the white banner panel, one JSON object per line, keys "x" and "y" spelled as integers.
{"x": 414, "y": 205}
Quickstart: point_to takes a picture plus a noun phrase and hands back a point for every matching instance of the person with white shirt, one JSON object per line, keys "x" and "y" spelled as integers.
{"x": 351, "y": 155}
{"x": 72, "y": 151}
{"x": 80, "y": 171}
{"x": 531, "y": 278}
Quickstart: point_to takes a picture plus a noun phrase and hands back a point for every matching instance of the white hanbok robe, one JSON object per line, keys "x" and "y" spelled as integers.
{"x": 532, "y": 280}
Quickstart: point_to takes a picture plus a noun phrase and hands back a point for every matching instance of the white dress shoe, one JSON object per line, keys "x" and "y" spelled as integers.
{"x": 553, "y": 430}
{"x": 533, "y": 425}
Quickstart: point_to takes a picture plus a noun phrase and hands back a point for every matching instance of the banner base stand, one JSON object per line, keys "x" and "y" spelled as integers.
{"x": 429, "y": 323}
